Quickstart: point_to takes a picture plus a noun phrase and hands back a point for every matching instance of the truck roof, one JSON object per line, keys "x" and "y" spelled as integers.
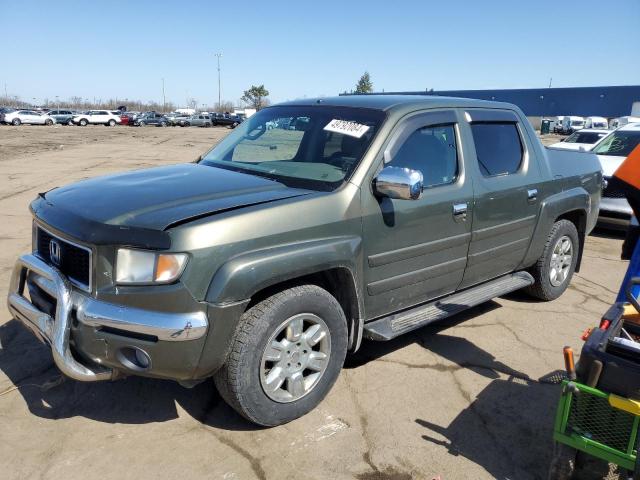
{"x": 399, "y": 102}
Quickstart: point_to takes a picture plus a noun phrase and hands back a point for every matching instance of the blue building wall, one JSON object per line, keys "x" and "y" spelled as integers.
{"x": 538, "y": 102}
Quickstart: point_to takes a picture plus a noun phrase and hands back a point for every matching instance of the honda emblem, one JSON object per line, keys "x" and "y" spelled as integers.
{"x": 55, "y": 253}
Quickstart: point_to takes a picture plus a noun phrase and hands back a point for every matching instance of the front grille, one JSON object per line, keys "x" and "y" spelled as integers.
{"x": 75, "y": 261}
{"x": 612, "y": 191}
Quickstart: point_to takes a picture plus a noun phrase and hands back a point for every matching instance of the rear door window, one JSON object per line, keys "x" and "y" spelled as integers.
{"x": 498, "y": 147}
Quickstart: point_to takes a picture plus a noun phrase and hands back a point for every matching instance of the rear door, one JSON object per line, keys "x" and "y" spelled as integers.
{"x": 507, "y": 181}
{"x": 416, "y": 250}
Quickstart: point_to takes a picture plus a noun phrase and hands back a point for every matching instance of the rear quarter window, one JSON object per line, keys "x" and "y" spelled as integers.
{"x": 498, "y": 148}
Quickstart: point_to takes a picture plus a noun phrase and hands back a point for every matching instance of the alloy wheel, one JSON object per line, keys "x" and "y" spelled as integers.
{"x": 561, "y": 260}
{"x": 295, "y": 358}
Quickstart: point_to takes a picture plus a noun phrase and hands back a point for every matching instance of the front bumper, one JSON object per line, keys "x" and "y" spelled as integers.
{"x": 168, "y": 334}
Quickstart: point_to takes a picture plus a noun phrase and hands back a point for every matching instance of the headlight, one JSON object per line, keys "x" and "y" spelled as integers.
{"x": 140, "y": 266}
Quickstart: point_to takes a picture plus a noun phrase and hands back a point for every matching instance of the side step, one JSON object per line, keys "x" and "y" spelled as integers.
{"x": 396, "y": 324}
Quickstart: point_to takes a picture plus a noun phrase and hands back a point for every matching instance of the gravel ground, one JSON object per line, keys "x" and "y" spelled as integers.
{"x": 471, "y": 397}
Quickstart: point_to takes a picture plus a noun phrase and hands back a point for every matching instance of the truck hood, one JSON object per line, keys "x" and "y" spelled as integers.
{"x": 609, "y": 163}
{"x": 158, "y": 198}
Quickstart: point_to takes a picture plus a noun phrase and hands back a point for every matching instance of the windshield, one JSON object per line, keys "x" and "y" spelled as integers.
{"x": 619, "y": 144}
{"x": 577, "y": 123}
{"x": 584, "y": 137}
{"x": 315, "y": 147}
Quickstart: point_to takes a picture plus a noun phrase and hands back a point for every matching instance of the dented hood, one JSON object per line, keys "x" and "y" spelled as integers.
{"x": 159, "y": 198}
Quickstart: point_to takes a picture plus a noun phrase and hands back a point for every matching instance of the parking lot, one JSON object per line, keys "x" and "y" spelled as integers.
{"x": 472, "y": 397}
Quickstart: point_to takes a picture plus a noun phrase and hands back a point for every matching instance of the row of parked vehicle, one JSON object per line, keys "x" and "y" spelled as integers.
{"x": 611, "y": 148}
{"x": 567, "y": 124}
{"x": 112, "y": 118}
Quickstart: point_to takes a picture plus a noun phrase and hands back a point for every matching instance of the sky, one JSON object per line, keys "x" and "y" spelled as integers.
{"x": 121, "y": 49}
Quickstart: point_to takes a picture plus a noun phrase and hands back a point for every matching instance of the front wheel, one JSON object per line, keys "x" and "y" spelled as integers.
{"x": 285, "y": 357}
{"x": 554, "y": 269}
{"x": 112, "y": 123}
{"x": 83, "y": 123}
{"x": 141, "y": 124}
{"x": 16, "y": 122}
{"x": 70, "y": 122}
{"x": 48, "y": 122}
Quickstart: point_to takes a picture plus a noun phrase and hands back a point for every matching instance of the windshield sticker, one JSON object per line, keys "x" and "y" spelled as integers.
{"x": 353, "y": 129}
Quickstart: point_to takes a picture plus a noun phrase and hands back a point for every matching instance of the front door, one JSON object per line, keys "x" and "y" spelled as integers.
{"x": 507, "y": 181}
{"x": 416, "y": 250}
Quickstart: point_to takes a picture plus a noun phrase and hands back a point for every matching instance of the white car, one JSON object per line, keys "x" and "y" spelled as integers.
{"x": 18, "y": 117}
{"x": 596, "y": 122}
{"x": 615, "y": 211}
{"x": 98, "y": 117}
{"x": 583, "y": 139}
{"x": 572, "y": 123}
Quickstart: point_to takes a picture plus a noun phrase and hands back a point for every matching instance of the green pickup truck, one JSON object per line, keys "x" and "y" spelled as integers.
{"x": 313, "y": 225}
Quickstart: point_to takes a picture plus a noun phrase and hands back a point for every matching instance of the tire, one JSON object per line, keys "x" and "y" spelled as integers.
{"x": 141, "y": 124}
{"x": 185, "y": 124}
{"x": 83, "y": 122}
{"x": 563, "y": 462}
{"x": 234, "y": 124}
{"x": 48, "y": 123}
{"x": 16, "y": 122}
{"x": 112, "y": 123}
{"x": 70, "y": 122}
{"x": 244, "y": 380}
{"x": 556, "y": 250}
{"x": 163, "y": 124}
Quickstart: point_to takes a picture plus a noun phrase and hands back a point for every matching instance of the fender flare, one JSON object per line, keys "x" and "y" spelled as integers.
{"x": 243, "y": 276}
{"x": 551, "y": 208}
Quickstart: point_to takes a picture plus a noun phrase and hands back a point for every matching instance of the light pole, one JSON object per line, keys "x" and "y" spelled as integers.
{"x": 164, "y": 101}
{"x": 218, "y": 55}
{"x": 57, "y": 102}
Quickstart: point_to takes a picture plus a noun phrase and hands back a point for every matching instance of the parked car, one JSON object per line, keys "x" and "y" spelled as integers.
{"x": 572, "y": 123}
{"x": 18, "y": 117}
{"x": 596, "y": 122}
{"x": 615, "y": 211}
{"x": 199, "y": 120}
{"x": 3, "y": 111}
{"x": 97, "y": 117}
{"x": 63, "y": 117}
{"x": 557, "y": 125}
{"x": 175, "y": 118}
{"x": 151, "y": 118}
{"x": 622, "y": 121}
{"x": 582, "y": 139}
{"x": 210, "y": 269}
{"x": 227, "y": 120}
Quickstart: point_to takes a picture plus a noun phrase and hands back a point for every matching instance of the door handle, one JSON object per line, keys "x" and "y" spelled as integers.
{"x": 460, "y": 211}
{"x": 532, "y": 194}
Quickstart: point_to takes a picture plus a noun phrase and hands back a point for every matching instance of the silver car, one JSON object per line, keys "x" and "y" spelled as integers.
{"x": 199, "y": 120}
{"x": 31, "y": 117}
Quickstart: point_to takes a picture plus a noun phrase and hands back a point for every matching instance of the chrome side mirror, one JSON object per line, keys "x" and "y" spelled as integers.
{"x": 398, "y": 183}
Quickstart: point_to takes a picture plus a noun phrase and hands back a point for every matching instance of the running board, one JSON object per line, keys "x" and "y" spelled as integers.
{"x": 396, "y": 324}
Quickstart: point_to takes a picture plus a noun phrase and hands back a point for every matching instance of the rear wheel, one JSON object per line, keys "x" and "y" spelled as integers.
{"x": 554, "y": 269}
{"x": 285, "y": 357}
{"x": 48, "y": 122}
{"x": 141, "y": 123}
{"x": 163, "y": 124}
{"x": 112, "y": 123}
{"x": 83, "y": 122}
{"x": 70, "y": 122}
